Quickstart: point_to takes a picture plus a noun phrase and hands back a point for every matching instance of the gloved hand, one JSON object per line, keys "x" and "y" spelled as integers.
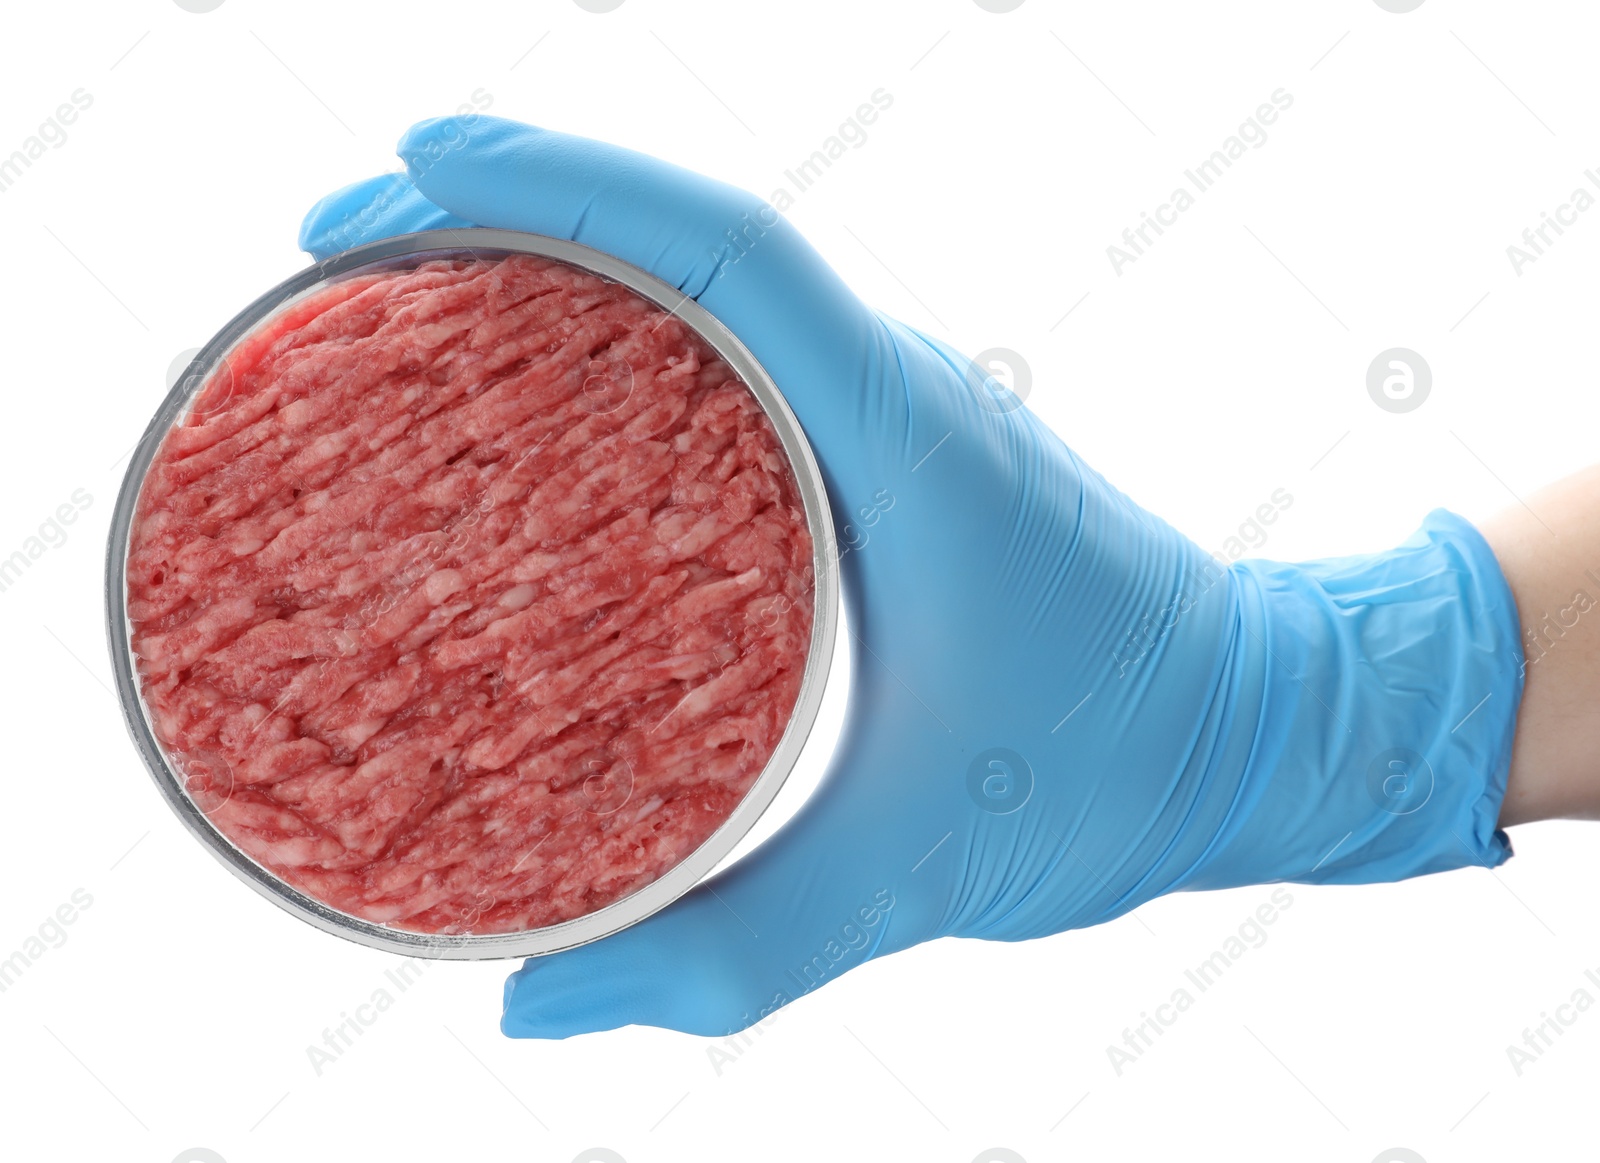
{"x": 1060, "y": 706}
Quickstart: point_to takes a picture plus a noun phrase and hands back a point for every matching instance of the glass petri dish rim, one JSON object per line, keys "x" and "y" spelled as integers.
{"x": 402, "y": 251}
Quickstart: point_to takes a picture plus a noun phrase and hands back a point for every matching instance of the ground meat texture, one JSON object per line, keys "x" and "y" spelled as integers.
{"x": 470, "y": 598}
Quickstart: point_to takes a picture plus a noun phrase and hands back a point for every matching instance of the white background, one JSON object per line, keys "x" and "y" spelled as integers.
{"x": 1227, "y": 362}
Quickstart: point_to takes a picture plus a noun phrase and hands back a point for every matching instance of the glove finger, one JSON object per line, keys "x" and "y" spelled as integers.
{"x": 830, "y": 890}
{"x": 368, "y": 210}
{"x": 681, "y": 226}
{"x": 720, "y": 245}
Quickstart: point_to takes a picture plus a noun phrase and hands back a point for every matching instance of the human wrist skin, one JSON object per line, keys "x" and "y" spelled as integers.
{"x": 1548, "y": 545}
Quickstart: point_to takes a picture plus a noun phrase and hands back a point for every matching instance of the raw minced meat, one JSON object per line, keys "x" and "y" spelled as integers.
{"x": 470, "y": 598}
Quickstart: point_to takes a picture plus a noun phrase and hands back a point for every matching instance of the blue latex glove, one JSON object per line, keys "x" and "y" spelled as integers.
{"x": 1061, "y": 707}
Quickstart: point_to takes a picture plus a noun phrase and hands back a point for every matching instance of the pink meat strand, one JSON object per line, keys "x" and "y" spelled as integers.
{"x": 471, "y": 598}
